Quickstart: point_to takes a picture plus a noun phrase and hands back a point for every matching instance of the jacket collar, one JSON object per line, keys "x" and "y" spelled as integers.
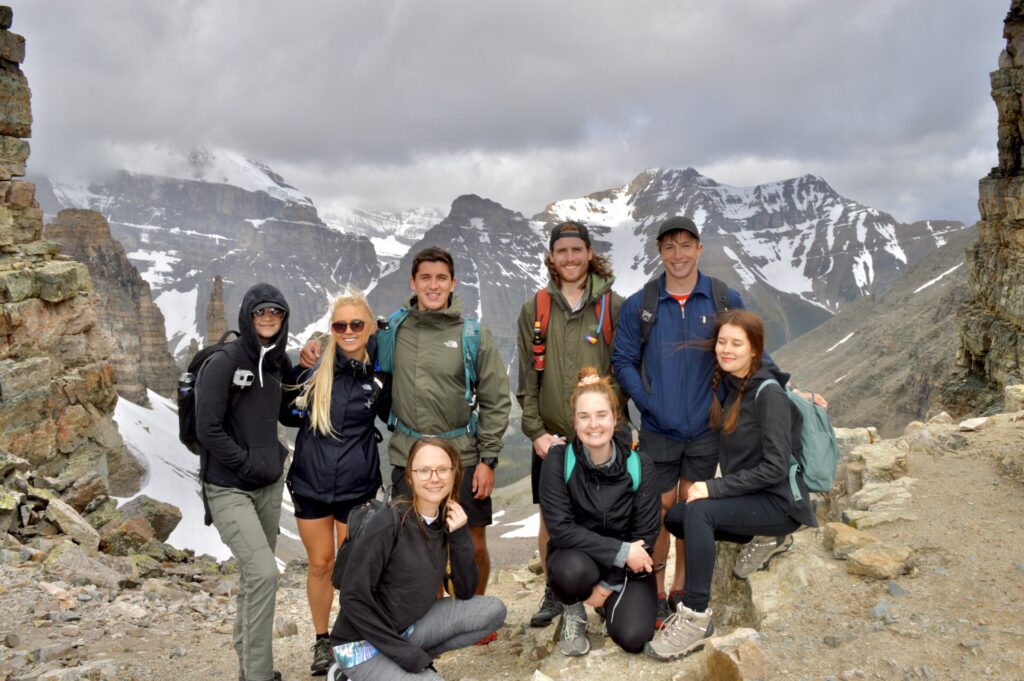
{"x": 702, "y": 287}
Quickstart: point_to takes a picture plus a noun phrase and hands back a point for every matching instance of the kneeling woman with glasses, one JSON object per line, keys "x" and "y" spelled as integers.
{"x": 392, "y": 625}
{"x": 336, "y": 465}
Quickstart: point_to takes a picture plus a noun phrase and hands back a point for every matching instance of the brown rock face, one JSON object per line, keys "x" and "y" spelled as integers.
{"x": 991, "y": 321}
{"x": 127, "y": 312}
{"x": 56, "y": 383}
{"x": 216, "y": 324}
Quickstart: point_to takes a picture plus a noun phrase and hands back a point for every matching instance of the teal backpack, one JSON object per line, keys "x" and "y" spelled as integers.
{"x": 820, "y": 448}
{"x": 632, "y": 465}
{"x": 470, "y": 343}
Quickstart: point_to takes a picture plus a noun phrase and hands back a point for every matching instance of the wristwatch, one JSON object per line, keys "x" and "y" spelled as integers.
{"x": 491, "y": 461}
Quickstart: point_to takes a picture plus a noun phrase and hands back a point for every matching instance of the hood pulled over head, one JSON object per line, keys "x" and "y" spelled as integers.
{"x": 263, "y": 295}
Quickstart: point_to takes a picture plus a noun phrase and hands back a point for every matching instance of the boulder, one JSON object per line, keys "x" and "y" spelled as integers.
{"x": 842, "y": 540}
{"x": 863, "y": 520}
{"x": 1013, "y": 397}
{"x": 737, "y": 656}
{"x": 774, "y": 592}
{"x": 880, "y": 560}
{"x": 942, "y": 418}
{"x": 972, "y": 425}
{"x": 161, "y": 516}
{"x": 70, "y": 563}
{"x": 84, "y": 491}
{"x": 881, "y": 496}
{"x": 72, "y": 524}
{"x": 9, "y": 462}
{"x": 125, "y": 536}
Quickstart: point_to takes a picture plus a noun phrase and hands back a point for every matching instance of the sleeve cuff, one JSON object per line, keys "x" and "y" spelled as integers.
{"x": 621, "y": 556}
{"x": 610, "y": 587}
{"x": 712, "y": 488}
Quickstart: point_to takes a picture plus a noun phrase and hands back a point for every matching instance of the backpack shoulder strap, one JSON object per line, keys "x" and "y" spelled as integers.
{"x": 633, "y": 467}
{"x": 603, "y": 310}
{"x": 470, "y": 352}
{"x": 386, "y": 341}
{"x": 570, "y": 461}
{"x": 720, "y": 294}
{"x": 648, "y": 311}
{"x": 770, "y": 381}
{"x": 542, "y": 305}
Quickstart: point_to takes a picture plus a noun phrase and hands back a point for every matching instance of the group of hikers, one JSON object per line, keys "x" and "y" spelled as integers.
{"x": 712, "y": 460}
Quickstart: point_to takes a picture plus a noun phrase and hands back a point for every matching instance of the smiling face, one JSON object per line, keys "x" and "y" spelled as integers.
{"x": 350, "y": 341}
{"x": 594, "y": 419}
{"x": 679, "y": 253}
{"x": 734, "y": 352}
{"x": 435, "y": 464}
{"x": 432, "y": 284}
{"x": 571, "y": 257}
{"x": 268, "y": 322}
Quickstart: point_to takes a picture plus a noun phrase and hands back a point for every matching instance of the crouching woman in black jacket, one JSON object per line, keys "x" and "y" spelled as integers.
{"x": 603, "y": 512}
{"x": 758, "y": 430}
{"x": 336, "y": 465}
{"x": 392, "y": 625}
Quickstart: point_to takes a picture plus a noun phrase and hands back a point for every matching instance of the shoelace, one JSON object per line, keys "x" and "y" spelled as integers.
{"x": 569, "y": 633}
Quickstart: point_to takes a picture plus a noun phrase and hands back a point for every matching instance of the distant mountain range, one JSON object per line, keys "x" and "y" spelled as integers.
{"x": 797, "y": 250}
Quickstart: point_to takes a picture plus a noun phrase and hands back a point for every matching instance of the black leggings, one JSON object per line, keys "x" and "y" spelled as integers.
{"x": 629, "y": 613}
{"x": 735, "y": 519}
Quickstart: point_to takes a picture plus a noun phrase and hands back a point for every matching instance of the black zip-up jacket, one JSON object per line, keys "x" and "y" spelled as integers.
{"x": 237, "y": 426}
{"x": 394, "y": 583}
{"x": 596, "y": 511}
{"x": 332, "y": 469}
{"x": 755, "y": 456}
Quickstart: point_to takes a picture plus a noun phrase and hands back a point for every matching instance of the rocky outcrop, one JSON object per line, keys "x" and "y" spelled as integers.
{"x": 126, "y": 311}
{"x": 991, "y": 322}
{"x": 56, "y": 383}
{"x": 216, "y": 324}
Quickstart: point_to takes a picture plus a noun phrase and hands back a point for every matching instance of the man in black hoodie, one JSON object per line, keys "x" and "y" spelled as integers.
{"x": 238, "y": 404}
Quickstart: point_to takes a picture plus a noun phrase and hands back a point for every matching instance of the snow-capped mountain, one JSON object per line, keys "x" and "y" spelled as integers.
{"x": 392, "y": 233}
{"x": 795, "y": 249}
{"x": 181, "y": 231}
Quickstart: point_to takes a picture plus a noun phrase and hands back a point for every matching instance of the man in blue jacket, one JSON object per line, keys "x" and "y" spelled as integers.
{"x": 669, "y": 378}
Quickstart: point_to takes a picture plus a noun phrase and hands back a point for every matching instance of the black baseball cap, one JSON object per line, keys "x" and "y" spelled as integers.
{"x": 576, "y": 230}
{"x": 266, "y": 305}
{"x": 679, "y": 223}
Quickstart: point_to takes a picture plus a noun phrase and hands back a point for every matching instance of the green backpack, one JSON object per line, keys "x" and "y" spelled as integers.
{"x": 820, "y": 447}
{"x": 632, "y": 465}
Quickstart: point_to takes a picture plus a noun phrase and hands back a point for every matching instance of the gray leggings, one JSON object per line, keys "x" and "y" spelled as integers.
{"x": 448, "y": 625}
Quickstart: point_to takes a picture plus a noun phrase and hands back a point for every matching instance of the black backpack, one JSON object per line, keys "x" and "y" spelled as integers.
{"x": 357, "y": 520}
{"x": 187, "y": 393}
{"x": 649, "y": 312}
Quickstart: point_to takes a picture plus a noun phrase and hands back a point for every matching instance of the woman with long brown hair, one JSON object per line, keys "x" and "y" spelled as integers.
{"x": 758, "y": 429}
{"x": 392, "y": 625}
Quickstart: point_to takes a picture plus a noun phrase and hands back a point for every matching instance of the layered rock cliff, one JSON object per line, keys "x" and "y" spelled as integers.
{"x": 990, "y": 323}
{"x": 127, "y": 312}
{"x": 56, "y": 383}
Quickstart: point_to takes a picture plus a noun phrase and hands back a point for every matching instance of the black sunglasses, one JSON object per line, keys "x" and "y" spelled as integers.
{"x": 357, "y": 325}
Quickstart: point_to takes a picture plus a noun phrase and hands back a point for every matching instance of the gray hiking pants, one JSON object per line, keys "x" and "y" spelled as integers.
{"x": 450, "y": 624}
{"x": 248, "y": 524}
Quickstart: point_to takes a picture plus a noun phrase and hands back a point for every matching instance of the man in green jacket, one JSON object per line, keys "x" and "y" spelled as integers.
{"x": 579, "y": 278}
{"x": 428, "y": 391}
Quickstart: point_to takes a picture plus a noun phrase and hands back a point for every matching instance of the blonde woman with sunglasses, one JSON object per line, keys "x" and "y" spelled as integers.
{"x": 337, "y": 464}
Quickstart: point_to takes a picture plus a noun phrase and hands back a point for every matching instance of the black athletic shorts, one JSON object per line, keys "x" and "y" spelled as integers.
{"x": 694, "y": 460}
{"x": 535, "y": 467}
{"x": 307, "y": 508}
{"x": 478, "y": 511}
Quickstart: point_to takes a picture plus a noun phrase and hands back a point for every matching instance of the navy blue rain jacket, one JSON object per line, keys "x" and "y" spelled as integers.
{"x": 676, "y": 401}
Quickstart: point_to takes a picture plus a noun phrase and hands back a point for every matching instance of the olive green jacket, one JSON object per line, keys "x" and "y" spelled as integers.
{"x": 429, "y": 385}
{"x": 545, "y": 401}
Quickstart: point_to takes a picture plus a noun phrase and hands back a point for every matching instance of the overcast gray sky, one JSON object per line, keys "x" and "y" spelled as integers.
{"x": 382, "y": 104}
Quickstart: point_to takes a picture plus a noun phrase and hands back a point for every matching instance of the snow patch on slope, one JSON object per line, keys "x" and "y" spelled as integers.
{"x": 179, "y": 310}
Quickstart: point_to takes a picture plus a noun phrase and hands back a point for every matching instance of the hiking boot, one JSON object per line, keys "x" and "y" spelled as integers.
{"x": 550, "y": 608}
{"x": 758, "y": 552}
{"x": 685, "y": 632}
{"x": 674, "y": 599}
{"x": 574, "y": 641}
{"x": 323, "y": 657}
{"x": 663, "y": 611}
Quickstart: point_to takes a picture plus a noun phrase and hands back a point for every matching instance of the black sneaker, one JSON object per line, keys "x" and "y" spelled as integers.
{"x": 323, "y": 656}
{"x": 663, "y": 611}
{"x": 550, "y": 608}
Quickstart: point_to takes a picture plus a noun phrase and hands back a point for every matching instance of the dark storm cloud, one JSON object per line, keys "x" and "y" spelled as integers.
{"x": 399, "y": 104}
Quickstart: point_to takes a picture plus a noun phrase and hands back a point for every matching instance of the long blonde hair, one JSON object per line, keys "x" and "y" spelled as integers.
{"x": 315, "y": 397}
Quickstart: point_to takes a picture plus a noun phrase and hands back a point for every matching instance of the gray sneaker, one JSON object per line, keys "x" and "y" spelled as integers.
{"x": 758, "y": 552}
{"x": 574, "y": 641}
{"x": 685, "y": 632}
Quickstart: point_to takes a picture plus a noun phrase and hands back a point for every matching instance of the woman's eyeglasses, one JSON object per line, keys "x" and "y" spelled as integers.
{"x": 423, "y": 474}
{"x": 357, "y": 325}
